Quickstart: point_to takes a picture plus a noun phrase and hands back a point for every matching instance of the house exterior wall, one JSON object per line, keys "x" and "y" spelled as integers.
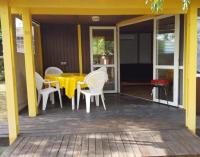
{"x": 60, "y": 47}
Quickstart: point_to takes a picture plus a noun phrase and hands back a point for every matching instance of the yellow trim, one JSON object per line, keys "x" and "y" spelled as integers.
{"x": 10, "y": 73}
{"x": 135, "y": 20}
{"x": 190, "y": 68}
{"x": 39, "y": 42}
{"x": 29, "y": 63}
{"x": 97, "y": 11}
{"x": 80, "y": 49}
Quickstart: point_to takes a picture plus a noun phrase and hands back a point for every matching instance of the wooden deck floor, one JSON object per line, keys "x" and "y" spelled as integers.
{"x": 116, "y": 144}
{"x": 130, "y": 127}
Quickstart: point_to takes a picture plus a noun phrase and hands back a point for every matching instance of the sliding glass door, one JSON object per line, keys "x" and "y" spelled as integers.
{"x": 166, "y": 57}
{"x": 103, "y": 53}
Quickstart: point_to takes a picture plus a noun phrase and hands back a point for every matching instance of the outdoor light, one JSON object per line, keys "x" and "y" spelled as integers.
{"x": 95, "y": 18}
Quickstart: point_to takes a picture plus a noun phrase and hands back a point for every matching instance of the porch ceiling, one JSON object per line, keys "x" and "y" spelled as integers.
{"x": 84, "y": 19}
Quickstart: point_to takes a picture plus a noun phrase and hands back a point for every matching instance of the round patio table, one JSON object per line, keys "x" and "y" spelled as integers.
{"x": 68, "y": 81}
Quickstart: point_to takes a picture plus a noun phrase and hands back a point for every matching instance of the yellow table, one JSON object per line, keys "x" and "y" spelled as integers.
{"x": 69, "y": 82}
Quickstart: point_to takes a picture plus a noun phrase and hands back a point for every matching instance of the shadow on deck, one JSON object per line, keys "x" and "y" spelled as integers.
{"x": 129, "y": 127}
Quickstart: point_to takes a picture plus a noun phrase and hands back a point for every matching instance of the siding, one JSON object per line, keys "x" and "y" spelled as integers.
{"x": 60, "y": 44}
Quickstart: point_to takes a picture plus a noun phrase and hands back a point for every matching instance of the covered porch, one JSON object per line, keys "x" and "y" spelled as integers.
{"x": 128, "y": 123}
{"x": 130, "y": 127}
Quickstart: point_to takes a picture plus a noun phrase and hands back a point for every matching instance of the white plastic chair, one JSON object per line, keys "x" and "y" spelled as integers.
{"x": 53, "y": 70}
{"x": 45, "y": 92}
{"x": 104, "y": 69}
{"x": 95, "y": 82}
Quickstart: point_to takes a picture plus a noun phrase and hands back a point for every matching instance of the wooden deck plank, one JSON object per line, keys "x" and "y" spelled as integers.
{"x": 91, "y": 145}
{"x": 161, "y": 144}
{"x": 56, "y": 146}
{"x": 99, "y": 147}
{"x": 113, "y": 145}
{"x": 145, "y": 143}
{"x": 70, "y": 147}
{"x": 184, "y": 145}
{"x": 172, "y": 144}
{"x": 194, "y": 140}
{"x": 85, "y": 146}
{"x": 34, "y": 142}
{"x": 134, "y": 145}
{"x": 127, "y": 145}
{"x": 106, "y": 146}
{"x": 14, "y": 146}
{"x": 64, "y": 145}
{"x": 41, "y": 147}
{"x": 47, "y": 149}
{"x": 20, "y": 147}
{"x": 120, "y": 145}
{"x": 77, "y": 147}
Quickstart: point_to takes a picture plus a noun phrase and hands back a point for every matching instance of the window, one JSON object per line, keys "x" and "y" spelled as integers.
{"x": 20, "y": 36}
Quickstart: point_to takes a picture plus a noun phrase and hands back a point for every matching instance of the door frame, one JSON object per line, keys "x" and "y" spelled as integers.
{"x": 175, "y": 67}
{"x": 91, "y": 28}
{"x": 176, "y": 56}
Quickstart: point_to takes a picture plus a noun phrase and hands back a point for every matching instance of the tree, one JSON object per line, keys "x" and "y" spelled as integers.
{"x": 157, "y": 5}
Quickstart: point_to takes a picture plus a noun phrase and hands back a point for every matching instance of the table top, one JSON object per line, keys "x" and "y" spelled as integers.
{"x": 66, "y": 75}
{"x": 67, "y": 81}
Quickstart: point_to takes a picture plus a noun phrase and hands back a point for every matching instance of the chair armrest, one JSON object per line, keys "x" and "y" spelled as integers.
{"x": 79, "y": 83}
{"x": 49, "y": 82}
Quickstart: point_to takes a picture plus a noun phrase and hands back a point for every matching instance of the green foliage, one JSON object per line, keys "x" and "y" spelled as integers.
{"x": 157, "y": 5}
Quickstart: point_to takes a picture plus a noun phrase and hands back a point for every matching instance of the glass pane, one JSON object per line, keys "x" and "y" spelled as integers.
{"x": 110, "y": 85}
{"x": 181, "y": 46}
{"x": 103, "y": 46}
{"x": 165, "y": 41}
{"x": 180, "y": 93}
{"x": 165, "y": 74}
{"x": 198, "y": 50}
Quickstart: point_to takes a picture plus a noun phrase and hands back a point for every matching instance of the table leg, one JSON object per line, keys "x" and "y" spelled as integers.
{"x": 73, "y": 103}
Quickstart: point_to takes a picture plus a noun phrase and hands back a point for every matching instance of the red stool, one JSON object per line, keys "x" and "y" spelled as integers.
{"x": 161, "y": 84}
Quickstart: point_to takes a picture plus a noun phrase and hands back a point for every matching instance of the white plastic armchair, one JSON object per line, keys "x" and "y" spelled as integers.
{"x": 104, "y": 69}
{"x": 95, "y": 82}
{"x": 45, "y": 92}
{"x": 53, "y": 70}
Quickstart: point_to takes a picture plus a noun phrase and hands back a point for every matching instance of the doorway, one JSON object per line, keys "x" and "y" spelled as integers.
{"x": 150, "y": 50}
{"x": 136, "y": 59}
{"x": 103, "y": 52}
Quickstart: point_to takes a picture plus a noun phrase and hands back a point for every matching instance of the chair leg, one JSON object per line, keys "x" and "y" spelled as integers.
{"x": 92, "y": 98}
{"x": 102, "y": 98}
{"x": 60, "y": 99}
{"x": 39, "y": 99}
{"x": 87, "y": 103}
{"x": 45, "y": 98}
{"x": 97, "y": 100}
{"x": 78, "y": 98}
{"x": 52, "y": 98}
{"x": 166, "y": 95}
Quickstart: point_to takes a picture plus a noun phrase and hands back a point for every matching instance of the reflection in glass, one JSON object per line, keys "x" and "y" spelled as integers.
{"x": 166, "y": 74}
{"x": 165, "y": 41}
{"x": 110, "y": 85}
{"x": 103, "y": 47}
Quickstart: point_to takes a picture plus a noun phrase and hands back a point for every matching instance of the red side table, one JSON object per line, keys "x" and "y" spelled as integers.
{"x": 161, "y": 84}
